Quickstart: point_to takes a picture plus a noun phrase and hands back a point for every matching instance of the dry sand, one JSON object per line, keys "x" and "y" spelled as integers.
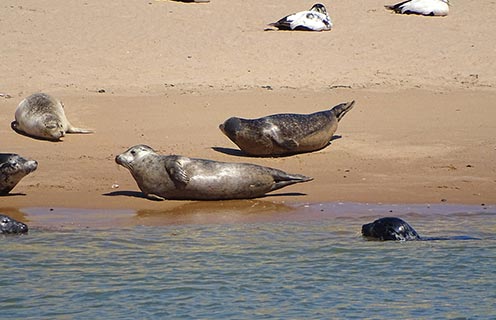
{"x": 169, "y": 73}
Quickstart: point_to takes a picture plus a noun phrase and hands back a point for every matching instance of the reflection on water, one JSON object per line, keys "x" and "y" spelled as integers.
{"x": 312, "y": 264}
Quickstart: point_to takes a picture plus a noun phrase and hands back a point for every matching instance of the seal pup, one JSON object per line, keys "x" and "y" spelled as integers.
{"x": 315, "y": 19}
{"x": 11, "y": 226}
{"x": 285, "y": 133}
{"x": 182, "y": 178}
{"x": 422, "y": 7}
{"x": 42, "y": 116}
{"x": 13, "y": 168}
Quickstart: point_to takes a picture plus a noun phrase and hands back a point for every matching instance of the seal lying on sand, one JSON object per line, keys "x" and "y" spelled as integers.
{"x": 423, "y": 7}
{"x": 178, "y": 177}
{"x": 42, "y": 116}
{"x": 286, "y": 133}
{"x": 392, "y": 228}
{"x": 315, "y": 19}
{"x": 13, "y": 168}
{"x": 11, "y": 226}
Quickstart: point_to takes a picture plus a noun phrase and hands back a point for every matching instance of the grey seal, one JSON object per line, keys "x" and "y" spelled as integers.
{"x": 285, "y": 133}
{"x": 315, "y": 19}
{"x": 11, "y": 226}
{"x": 392, "y": 228}
{"x": 13, "y": 168}
{"x": 183, "y": 178}
{"x": 42, "y": 116}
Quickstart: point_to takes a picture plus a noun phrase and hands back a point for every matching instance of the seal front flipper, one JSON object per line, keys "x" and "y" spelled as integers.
{"x": 175, "y": 169}
{"x": 274, "y": 134}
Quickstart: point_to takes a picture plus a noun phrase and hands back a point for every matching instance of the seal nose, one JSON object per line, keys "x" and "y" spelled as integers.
{"x": 23, "y": 228}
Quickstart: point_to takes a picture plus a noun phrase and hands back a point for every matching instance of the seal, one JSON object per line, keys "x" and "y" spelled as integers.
{"x": 389, "y": 228}
{"x": 11, "y": 226}
{"x": 285, "y": 133}
{"x": 315, "y": 19}
{"x": 42, "y": 116}
{"x": 422, "y": 7}
{"x": 392, "y": 228}
{"x": 181, "y": 178}
{"x": 13, "y": 168}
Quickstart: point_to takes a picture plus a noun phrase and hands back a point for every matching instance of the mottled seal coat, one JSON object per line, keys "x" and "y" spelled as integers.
{"x": 178, "y": 177}
{"x": 11, "y": 226}
{"x": 42, "y": 116}
{"x": 286, "y": 133}
{"x": 315, "y": 19}
{"x": 13, "y": 168}
{"x": 422, "y": 7}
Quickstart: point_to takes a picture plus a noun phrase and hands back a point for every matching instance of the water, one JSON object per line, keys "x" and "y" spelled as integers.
{"x": 317, "y": 267}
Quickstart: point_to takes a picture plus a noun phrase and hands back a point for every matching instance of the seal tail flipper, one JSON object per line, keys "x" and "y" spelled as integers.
{"x": 282, "y": 179}
{"x": 341, "y": 109}
{"x": 72, "y": 129}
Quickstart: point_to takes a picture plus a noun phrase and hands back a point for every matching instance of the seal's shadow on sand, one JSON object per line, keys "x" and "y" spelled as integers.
{"x": 137, "y": 194}
{"x": 239, "y": 153}
{"x": 12, "y": 194}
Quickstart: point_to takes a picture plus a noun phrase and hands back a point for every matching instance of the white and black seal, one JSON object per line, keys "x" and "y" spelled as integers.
{"x": 13, "y": 168}
{"x": 315, "y": 19}
{"x": 285, "y": 133}
{"x": 11, "y": 226}
{"x": 182, "y": 178}
{"x": 42, "y": 116}
{"x": 422, "y": 7}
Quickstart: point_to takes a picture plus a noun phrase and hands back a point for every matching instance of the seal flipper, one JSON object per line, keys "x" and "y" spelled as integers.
{"x": 283, "y": 179}
{"x": 175, "y": 169}
{"x": 341, "y": 109}
{"x": 274, "y": 134}
{"x": 72, "y": 129}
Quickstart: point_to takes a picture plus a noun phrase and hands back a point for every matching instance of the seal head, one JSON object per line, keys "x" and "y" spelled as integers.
{"x": 13, "y": 168}
{"x": 389, "y": 228}
{"x": 11, "y": 226}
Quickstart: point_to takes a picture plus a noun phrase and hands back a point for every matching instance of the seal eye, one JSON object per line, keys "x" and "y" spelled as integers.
{"x": 133, "y": 152}
{"x": 5, "y": 221}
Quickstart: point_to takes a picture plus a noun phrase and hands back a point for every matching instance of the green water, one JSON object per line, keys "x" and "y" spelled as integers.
{"x": 312, "y": 265}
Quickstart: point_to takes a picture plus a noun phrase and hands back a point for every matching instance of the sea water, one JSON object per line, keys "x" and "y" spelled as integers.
{"x": 312, "y": 266}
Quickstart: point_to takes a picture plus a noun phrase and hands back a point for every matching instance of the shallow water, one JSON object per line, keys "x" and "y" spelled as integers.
{"x": 308, "y": 261}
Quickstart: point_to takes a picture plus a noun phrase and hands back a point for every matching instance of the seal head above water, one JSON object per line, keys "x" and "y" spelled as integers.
{"x": 13, "y": 168}
{"x": 285, "y": 133}
{"x": 389, "y": 228}
{"x": 179, "y": 177}
{"x": 42, "y": 116}
{"x": 11, "y": 226}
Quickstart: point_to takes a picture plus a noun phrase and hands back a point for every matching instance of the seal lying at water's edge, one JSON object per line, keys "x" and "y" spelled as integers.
{"x": 422, "y": 7}
{"x": 285, "y": 133}
{"x": 315, "y": 19}
{"x": 13, "y": 168}
{"x": 182, "y": 178}
{"x": 11, "y": 226}
{"x": 392, "y": 228}
{"x": 42, "y": 116}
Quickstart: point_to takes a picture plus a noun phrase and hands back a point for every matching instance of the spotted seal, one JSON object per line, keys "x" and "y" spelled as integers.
{"x": 285, "y": 133}
{"x": 315, "y": 19}
{"x": 422, "y": 7}
{"x": 13, "y": 168}
{"x": 42, "y": 116}
{"x": 11, "y": 226}
{"x": 392, "y": 228}
{"x": 182, "y": 178}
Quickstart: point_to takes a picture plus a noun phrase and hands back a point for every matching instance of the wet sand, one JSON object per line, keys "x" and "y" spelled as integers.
{"x": 422, "y": 130}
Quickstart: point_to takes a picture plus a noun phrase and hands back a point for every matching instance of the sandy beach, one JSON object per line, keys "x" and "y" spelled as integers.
{"x": 166, "y": 74}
